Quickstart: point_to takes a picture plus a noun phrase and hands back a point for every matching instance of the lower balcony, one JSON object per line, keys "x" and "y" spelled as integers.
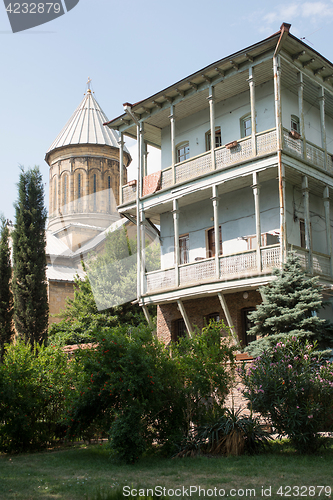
{"x": 232, "y": 267}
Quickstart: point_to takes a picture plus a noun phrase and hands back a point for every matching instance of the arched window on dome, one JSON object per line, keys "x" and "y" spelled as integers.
{"x": 65, "y": 200}
{"x": 79, "y": 194}
{"x": 54, "y": 196}
{"x": 95, "y": 192}
{"x": 109, "y": 193}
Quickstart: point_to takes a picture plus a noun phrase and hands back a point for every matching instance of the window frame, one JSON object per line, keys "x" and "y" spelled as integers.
{"x": 209, "y": 253}
{"x": 186, "y": 155}
{"x": 243, "y": 127}
{"x": 295, "y": 124}
{"x": 184, "y": 238}
{"x": 218, "y": 138}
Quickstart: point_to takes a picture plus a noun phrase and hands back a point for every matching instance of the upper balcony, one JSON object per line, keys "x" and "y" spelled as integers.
{"x": 232, "y": 154}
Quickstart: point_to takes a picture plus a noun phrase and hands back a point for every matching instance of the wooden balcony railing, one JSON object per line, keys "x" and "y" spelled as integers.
{"x": 235, "y": 266}
{"x": 239, "y": 265}
{"x": 202, "y": 164}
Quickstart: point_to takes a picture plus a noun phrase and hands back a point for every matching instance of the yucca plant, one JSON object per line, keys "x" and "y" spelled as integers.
{"x": 233, "y": 433}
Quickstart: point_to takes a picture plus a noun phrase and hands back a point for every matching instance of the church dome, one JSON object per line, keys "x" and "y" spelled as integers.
{"x": 86, "y": 127}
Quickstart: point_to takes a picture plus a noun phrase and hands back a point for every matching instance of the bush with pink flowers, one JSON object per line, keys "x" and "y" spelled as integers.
{"x": 294, "y": 388}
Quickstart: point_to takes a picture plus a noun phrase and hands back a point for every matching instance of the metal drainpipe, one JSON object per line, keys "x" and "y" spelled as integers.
{"x": 129, "y": 111}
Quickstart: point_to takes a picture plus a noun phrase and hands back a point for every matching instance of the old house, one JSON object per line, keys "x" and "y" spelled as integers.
{"x": 246, "y": 174}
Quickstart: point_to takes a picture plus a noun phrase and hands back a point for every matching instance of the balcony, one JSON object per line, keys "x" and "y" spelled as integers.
{"x": 235, "y": 266}
{"x": 202, "y": 164}
{"x": 231, "y": 267}
{"x": 225, "y": 157}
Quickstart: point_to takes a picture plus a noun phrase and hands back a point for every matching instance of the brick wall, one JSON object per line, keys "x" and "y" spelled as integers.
{"x": 197, "y": 309}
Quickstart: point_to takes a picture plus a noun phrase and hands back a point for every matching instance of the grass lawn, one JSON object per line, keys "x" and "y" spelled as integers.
{"x": 78, "y": 473}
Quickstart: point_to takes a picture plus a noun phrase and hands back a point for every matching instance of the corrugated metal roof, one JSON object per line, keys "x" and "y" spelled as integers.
{"x": 62, "y": 273}
{"x": 86, "y": 127}
{"x": 54, "y": 246}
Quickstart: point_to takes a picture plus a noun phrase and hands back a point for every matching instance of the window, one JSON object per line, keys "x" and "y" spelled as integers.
{"x": 109, "y": 193}
{"x": 218, "y": 139}
{"x": 65, "y": 195}
{"x": 211, "y": 242}
{"x": 95, "y": 191}
{"x": 302, "y": 232}
{"x": 179, "y": 329}
{"x": 184, "y": 249}
{"x": 79, "y": 186}
{"x": 266, "y": 240}
{"x": 54, "y": 195}
{"x": 183, "y": 152}
{"x": 246, "y": 127}
{"x": 212, "y": 317}
{"x": 294, "y": 123}
{"x": 247, "y": 324}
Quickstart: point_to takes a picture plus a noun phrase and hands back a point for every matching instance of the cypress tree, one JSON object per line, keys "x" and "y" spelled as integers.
{"x": 29, "y": 277}
{"x": 289, "y": 308}
{"x": 6, "y": 297}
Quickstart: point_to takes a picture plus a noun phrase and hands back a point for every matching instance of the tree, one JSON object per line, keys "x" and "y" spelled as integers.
{"x": 289, "y": 308}
{"x": 6, "y": 297}
{"x": 29, "y": 277}
{"x": 103, "y": 298}
{"x": 113, "y": 274}
{"x": 81, "y": 319}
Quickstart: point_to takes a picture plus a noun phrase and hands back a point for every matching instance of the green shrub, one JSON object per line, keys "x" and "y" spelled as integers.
{"x": 141, "y": 394}
{"x": 291, "y": 386}
{"x": 35, "y": 386}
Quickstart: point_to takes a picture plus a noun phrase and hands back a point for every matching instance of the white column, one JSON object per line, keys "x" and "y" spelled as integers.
{"x": 215, "y": 200}
{"x": 251, "y": 81}
{"x": 121, "y": 167}
{"x": 185, "y": 318}
{"x": 143, "y": 252}
{"x": 322, "y": 123}
{"x": 175, "y": 213}
{"x": 301, "y": 111}
{"x": 211, "y": 98}
{"x": 305, "y": 190}
{"x": 256, "y": 192}
{"x": 138, "y": 235}
{"x": 281, "y": 169}
{"x": 326, "y": 199}
{"x": 173, "y": 145}
{"x": 228, "y": 316}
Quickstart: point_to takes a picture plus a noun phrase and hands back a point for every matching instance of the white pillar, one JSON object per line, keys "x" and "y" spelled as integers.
{"x": 281, "y": 169}
{"x": 138, "y": 190}
{"x": 143, "y": 252}
{"x": 301, "y": 111}
{"x": 322, "y": 123}
{"x": 305, "y": 190}
{"x": 185, "y": 318}
{"x": 173, "y": 145}
{"x": 277, "y": 99}
{"x": 211, "y": 98}
{"x": 175, "y": 213}
{"x": 253, "y": 110}
{"x": 215, "y": 200}
{"x": 228, "y": 316}
{"x": 256, "y": 192}
{"x": 121, "y": 167}
{"x": 326, "y": 199}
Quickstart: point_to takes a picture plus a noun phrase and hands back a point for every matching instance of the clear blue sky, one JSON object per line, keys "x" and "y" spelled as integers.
{"x": 131, "y": 49}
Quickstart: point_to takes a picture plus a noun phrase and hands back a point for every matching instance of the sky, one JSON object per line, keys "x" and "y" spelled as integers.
{"x": 130, "y": 49}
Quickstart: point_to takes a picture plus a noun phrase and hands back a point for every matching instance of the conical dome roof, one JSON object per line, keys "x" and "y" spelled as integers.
{"x": 86, "y": 127}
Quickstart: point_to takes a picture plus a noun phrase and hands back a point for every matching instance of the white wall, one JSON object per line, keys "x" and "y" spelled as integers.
{"x": 228, "y": 114}
{"x": 236, "y": 217}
